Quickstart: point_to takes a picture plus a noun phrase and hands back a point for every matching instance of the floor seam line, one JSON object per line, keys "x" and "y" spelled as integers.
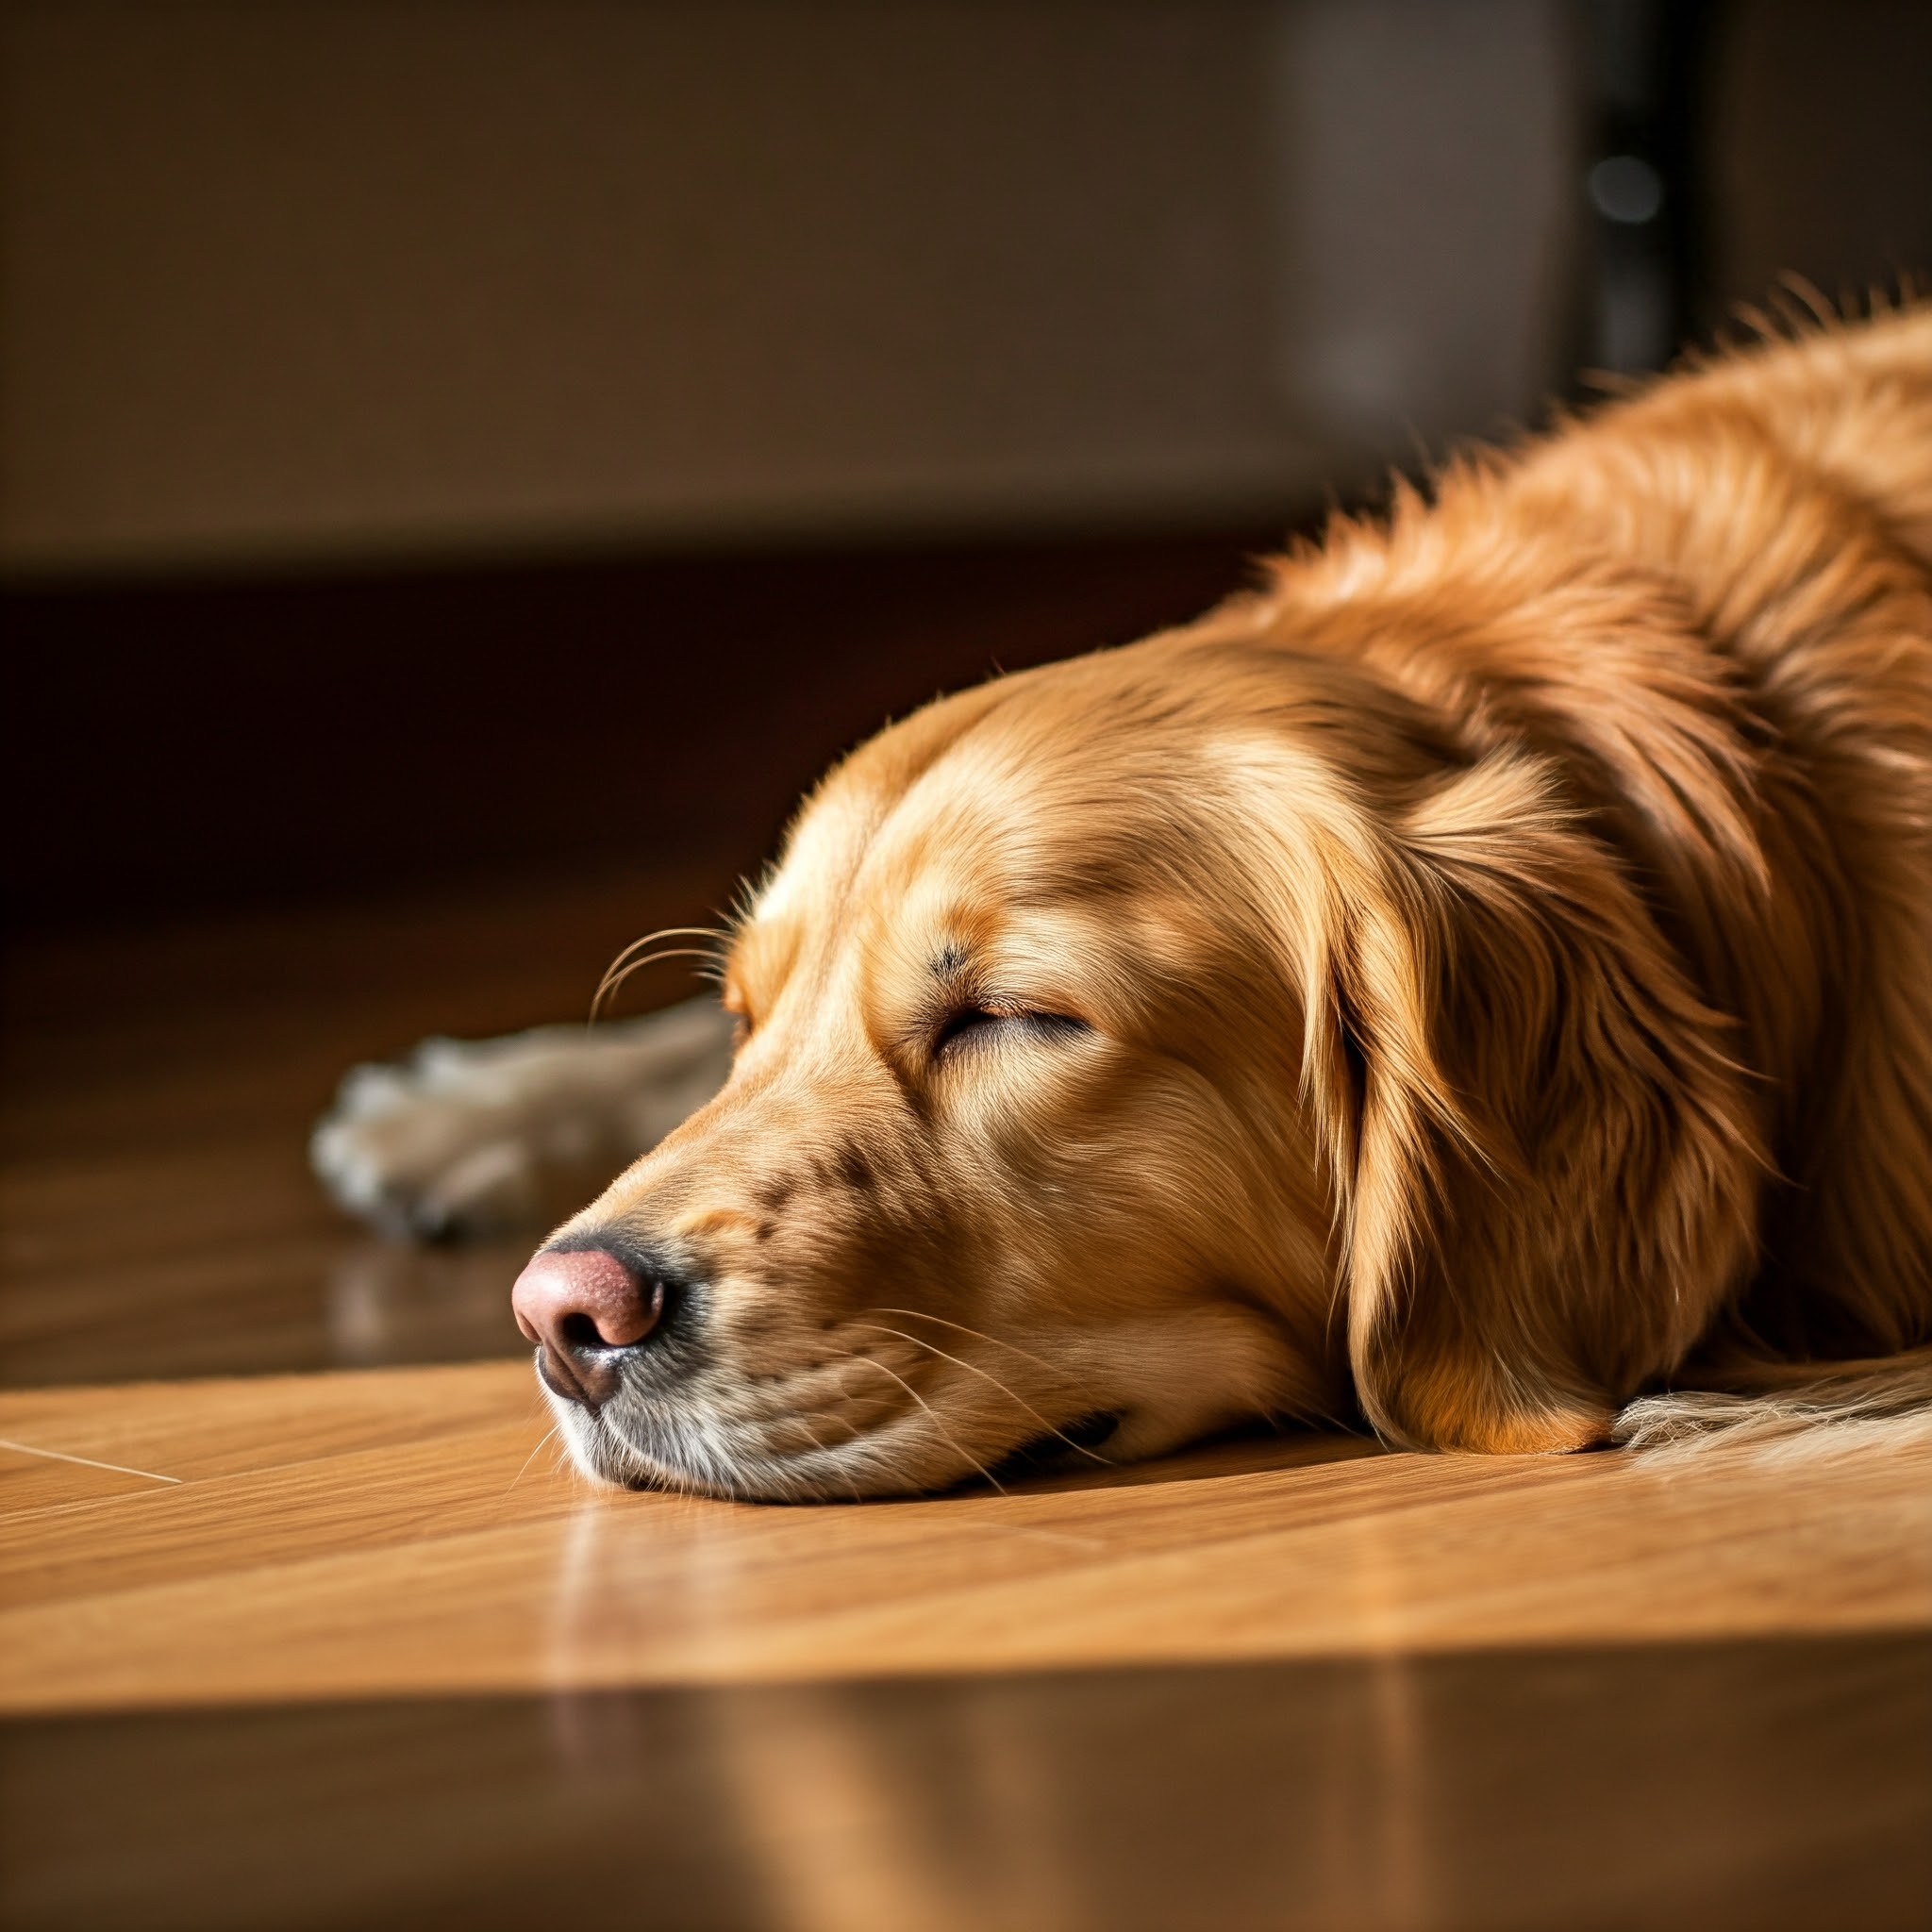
{"x": 89, "y": 1461}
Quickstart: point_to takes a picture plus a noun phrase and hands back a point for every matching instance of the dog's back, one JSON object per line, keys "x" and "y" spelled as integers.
{"x": 1765, "y": 765}
{"x": 1802, "y": 523}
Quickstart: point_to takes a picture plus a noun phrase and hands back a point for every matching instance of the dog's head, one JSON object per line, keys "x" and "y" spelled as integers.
{"x": 1011, "y": 1153}
{"x": 1090, "y": 1095}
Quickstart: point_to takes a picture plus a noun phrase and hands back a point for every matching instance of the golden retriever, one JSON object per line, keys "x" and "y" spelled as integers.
{"x": 1479, "y": 977}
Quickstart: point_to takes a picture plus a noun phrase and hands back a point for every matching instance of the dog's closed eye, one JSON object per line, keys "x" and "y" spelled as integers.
{"x": 971, "y": 1027}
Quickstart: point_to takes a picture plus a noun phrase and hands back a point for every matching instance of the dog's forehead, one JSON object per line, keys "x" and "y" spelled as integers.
{"x": 864, "y": 800}
{"x": 1017, "y": 794}
{"x": 858, "y": 852}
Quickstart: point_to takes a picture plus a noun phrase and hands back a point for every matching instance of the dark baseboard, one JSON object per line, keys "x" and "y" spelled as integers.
{"x": 178, "y": 744}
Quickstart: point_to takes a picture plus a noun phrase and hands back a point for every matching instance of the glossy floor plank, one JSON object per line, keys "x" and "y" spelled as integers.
{"x": 406, "y": 1531}
{"x": 1730, "y": 1786}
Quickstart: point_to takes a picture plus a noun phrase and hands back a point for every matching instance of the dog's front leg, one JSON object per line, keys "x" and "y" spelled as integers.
{"x": 467, "y": 1136}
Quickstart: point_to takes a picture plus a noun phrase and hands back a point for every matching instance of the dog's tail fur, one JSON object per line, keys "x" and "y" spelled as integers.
{"x": 1881, "y": 1402}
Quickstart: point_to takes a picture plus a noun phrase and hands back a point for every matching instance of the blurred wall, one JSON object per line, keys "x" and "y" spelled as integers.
{"x": 443, "y": 438}
{"x": 310, "y": 278}
{"x": 1820, "y": 146}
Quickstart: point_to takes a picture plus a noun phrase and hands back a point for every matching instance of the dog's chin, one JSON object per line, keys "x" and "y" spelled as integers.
{"x": 622, "y": 1447}
{"x": 669, "y": 1451}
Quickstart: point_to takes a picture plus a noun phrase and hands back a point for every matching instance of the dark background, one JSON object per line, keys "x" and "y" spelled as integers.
{"x": 347, "y": 553}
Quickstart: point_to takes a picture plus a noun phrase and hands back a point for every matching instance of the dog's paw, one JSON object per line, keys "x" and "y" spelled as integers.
{"x": 430, "y": 1148}
{"x": 468, "y": 1138}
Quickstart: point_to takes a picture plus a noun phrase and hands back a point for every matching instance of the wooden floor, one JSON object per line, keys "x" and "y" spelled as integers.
{"x": 301, "y": 1624}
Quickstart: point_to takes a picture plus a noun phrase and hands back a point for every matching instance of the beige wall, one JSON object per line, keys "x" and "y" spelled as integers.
{"x": 295, "y": 279}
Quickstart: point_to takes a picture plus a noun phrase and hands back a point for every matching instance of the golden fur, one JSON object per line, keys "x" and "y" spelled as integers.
{"x": 1477, "y": 977}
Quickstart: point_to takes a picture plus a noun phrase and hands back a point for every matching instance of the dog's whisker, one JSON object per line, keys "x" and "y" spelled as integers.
{"x": 977, "y": 1334}
{"x": 716, "y": 935}
{"x": 811, "y": 1436}
{"x": 612, "y": 983}
{"x": 663, "y": 932}
{"x": 985, "y": 1375}
{"x": 872, "y": 1362}
{"x": 547, "y": 1436}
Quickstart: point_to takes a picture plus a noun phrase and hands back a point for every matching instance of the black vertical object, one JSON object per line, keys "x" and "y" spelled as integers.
{"x": 1644, "y": 258}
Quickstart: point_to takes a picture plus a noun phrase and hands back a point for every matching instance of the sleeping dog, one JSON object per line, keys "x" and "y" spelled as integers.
{"x": 1474, "y": 981}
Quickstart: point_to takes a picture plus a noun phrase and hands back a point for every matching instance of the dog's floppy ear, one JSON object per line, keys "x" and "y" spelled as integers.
{"x": 1543, "y": 1163}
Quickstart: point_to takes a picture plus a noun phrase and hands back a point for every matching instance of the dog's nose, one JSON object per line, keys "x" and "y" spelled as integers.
{"x": 582, "y": 1307}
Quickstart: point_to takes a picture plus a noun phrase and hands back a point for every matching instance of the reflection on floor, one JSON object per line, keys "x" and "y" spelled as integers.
{"x": 1728, "y": 1786}
{"x": 330, "y": 1643}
